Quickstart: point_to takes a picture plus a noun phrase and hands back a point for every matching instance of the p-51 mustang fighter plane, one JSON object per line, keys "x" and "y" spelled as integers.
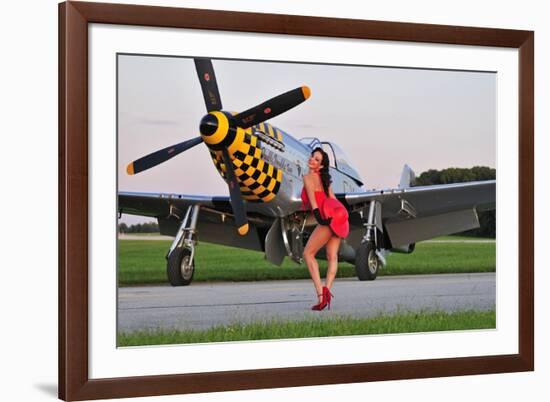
{"x": 263, "y": 167}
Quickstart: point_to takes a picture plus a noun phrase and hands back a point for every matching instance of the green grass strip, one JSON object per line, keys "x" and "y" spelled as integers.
{"x": 143, "y": 262}
{"x": 320, "y": 326}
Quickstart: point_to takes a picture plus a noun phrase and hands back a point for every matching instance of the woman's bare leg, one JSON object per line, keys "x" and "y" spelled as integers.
{"x": 321, "y": 234}
{"x": 332, "y": 258}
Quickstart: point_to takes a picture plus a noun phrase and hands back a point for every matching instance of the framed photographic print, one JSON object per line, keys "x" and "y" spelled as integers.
{"x": 239, "y": 191}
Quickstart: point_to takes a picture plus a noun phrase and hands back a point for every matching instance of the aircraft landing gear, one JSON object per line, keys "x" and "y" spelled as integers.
{"x": 180, "y": 265}
{"x": 367, "y": 261}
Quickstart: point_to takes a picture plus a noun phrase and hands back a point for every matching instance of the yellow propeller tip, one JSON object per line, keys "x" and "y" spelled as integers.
{"x": 130, "y": 169}
{"x": 306, "y": 91}
{"x": 243, "y": 229}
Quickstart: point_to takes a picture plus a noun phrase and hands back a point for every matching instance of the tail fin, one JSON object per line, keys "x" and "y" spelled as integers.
{"x": 407, "y": 177}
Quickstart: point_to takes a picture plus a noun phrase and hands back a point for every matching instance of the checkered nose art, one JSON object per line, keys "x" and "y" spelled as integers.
{"x": 259, "y": 181}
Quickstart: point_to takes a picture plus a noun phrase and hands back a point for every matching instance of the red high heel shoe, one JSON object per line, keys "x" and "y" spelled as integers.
{"x": 322, "y": 304}
{"x": 327, "y": 296}
{"x": 325, "y": 300}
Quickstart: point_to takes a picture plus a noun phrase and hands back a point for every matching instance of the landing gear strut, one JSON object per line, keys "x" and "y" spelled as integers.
{"x": 367, "y": 261}
{"x": 180, "y": 265}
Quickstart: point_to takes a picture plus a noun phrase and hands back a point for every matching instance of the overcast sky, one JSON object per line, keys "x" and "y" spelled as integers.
{"x": 381, "y": 117}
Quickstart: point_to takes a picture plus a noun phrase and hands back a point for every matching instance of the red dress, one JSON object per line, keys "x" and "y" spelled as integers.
{"x": 329, "y": 207}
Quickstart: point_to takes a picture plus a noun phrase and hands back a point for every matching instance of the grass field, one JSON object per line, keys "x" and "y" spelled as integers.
{"x": 344, "y": 326}
{"x": 458, "y": 238}
{"x": 143, "y": 262}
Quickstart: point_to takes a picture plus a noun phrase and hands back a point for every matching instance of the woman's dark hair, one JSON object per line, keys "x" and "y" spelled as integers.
{"x": 324, "y": 172}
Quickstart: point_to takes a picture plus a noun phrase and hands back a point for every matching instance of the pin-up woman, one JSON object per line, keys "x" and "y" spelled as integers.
{"x": 332, "y": 219}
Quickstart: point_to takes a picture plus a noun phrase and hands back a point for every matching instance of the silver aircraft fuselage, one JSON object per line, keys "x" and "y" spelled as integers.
{"x": 279, "y": 153}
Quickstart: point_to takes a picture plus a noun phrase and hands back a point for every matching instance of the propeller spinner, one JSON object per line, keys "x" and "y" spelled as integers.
{"x": 218, "y": 130}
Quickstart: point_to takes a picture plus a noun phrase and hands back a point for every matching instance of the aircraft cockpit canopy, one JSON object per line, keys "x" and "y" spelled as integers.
{"x": 311, "y": 142}
{"x": 337, "y": 157}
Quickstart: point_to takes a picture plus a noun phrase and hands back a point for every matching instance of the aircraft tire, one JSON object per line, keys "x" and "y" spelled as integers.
{"x": 367, "y": 263}
{"x": 180, "y": 273}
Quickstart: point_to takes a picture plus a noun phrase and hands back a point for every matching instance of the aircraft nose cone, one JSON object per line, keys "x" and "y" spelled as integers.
{"x": 208, "y": 125}
{"x": 216, "y": 130}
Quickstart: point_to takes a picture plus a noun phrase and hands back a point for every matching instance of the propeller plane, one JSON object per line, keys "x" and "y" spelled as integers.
{"x": 263, "y": 167}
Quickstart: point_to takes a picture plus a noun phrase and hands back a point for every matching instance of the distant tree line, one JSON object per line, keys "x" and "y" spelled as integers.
{"x": 148, "y": 227}
{"x": 487, "y": 219}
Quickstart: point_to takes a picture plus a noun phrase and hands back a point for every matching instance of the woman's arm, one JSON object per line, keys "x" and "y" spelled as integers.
{"x": 308, "y": 184}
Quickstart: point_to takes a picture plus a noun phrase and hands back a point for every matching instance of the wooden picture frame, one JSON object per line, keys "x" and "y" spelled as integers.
{"x": 74, "y": 379}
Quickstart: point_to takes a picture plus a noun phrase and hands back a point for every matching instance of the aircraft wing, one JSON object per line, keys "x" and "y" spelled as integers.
{"x": 419, "y": 213}
{"x": 163, "y": 205}
{"x": 215, "y": 223}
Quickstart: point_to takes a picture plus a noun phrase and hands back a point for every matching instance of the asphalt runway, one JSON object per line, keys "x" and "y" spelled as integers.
{"x": 204, "y": 305}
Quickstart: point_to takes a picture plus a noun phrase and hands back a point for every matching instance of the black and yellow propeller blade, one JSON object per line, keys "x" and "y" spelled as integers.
{"x": 273, "y": 107}
{"x": 237, "y": 203}
{"x": 209, "y": 86}
{"x": 258, "y": 114}
{"x": 163, "y": 155}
